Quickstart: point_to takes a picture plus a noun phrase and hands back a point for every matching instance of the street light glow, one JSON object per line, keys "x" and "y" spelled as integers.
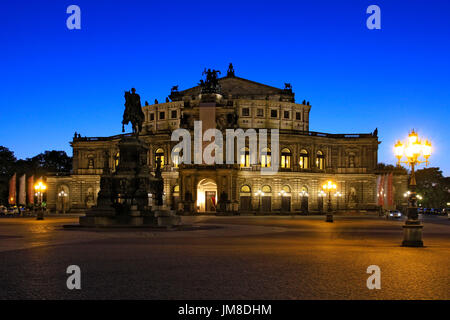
{"x": 330, "y": 185}
{"x": 413, "y": 149}
{"x": 40, "y": 186}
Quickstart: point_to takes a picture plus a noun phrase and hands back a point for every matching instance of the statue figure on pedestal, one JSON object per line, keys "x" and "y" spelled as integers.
{"x": 230, "y": 71}
{"x": 133, "y": 111}
{"x": 211, "y": 84}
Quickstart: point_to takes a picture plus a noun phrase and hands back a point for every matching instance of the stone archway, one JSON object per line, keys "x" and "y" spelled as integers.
{"x": 63, "y": 198}
{"x": 207, "y": 197}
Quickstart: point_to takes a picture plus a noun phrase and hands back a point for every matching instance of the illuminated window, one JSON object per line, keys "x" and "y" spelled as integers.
{"x": 286, "y": 189}
{"x": 304, "y": 159}
{"x": 159, "y": 154}
{"x": 245, "y": 189}
{"x": 286, "y": 158}
{"x": 244, "y": 158}
{"x": 320, "y": 160}
{"x": 266, "y": 189}
{"x": 265, "y": 157}
{"x": 116, "y": 159}
{"x": 176, "y": 189}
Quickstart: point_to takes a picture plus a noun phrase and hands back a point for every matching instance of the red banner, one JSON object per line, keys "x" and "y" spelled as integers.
{"x": 390, "y": 199}
{"x": 12, "y": 190}
{"x": 381, "y": 191}
{"x": 30, "y": 190}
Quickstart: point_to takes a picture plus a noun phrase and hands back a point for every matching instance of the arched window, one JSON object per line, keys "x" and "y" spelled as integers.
{"x": 304, "y": 159}
{"x": 304, "y": 192}
{"x": 286, "y": 189}
{"x": 176, "y": 157}
{"x": 265, "y": 157}
{"x": 159, "y": 154}
{"x": 320, "y": 160}
{"x": 286, "y": 158}
{"x": 244, "y": 156}
{"x": 246, "y": 189}
{"x": 266, "y": 189}
{"x": 176, "y": 189}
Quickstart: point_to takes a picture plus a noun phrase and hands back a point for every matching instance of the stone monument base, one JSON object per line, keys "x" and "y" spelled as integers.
{"x": 160, "y": 217}
{"x": 412, "y": 234}
{"x": 166, "y": 218}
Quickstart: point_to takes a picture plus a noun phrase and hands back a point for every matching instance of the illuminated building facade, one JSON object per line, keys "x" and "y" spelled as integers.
{"x": 307, "y": 158}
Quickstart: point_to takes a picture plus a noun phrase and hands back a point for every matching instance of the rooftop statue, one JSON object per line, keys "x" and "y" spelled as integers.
{"x": 211, "y": 84}
{"x": 133, "y": 111}
{"x": 230, "y": 71}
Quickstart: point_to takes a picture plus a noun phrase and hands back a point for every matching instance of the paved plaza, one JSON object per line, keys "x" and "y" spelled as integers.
{"x": 240, "y": 257}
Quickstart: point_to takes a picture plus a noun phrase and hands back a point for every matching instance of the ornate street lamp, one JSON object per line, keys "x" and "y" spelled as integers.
{"x": 302, "y": 195}
{"x": 62, "y": 195}
{"x": 40, "y": 188}
{"x": 329, "y": 186}
{"x": 321, "y": 195}
{"x": 415, "y": 152}
{"x": 260, "y": 194}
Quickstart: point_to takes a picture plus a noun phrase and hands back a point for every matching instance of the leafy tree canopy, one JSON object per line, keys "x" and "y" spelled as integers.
{"x": 7, "y": 161}
{"x": 383, "y": 168}
{"x": 433, "y": 187}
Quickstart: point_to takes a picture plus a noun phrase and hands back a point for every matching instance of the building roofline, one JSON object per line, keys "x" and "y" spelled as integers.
{"x": 281, "y": 131}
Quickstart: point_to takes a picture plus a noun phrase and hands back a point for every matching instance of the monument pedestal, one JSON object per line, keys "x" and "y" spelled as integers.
{"x": 124, "y": 195}
{"x": 412, "y": 234}
{"x": 329, "y": 217}
{"x": 165, "y": 217}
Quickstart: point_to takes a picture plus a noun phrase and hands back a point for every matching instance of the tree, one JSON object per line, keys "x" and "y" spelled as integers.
{"x": 52, "y": 162}
{"x": 383, "y": 168}
{"x": 7, "y": 161}
{"x": 7, "y": 166}
{"x": 433, "y": 187}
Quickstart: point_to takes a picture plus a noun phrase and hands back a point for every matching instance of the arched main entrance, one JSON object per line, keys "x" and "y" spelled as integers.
{"x": 206, "y": 195}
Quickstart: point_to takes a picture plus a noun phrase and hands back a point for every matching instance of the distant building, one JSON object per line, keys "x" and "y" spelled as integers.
{"x": 307, "y": 158}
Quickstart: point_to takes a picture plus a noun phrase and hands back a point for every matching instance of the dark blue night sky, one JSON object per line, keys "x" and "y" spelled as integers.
{"x": 56, "y": 81}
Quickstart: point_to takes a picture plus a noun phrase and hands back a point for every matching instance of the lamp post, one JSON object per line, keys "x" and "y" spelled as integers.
{"x": 330, "y": 185}
{"x": 412, "y": 150}
{"x": 62, "y": 195}
{"x": 337, "y": 195}
{"x": 40, "y": 187}
{"x": 321, "y": 195}
{"x": 260, "y": 194}
{"x": 303, "y": 194}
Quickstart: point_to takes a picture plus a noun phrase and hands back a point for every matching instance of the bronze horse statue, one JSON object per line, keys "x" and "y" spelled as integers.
{"x": 133, "y": 111}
